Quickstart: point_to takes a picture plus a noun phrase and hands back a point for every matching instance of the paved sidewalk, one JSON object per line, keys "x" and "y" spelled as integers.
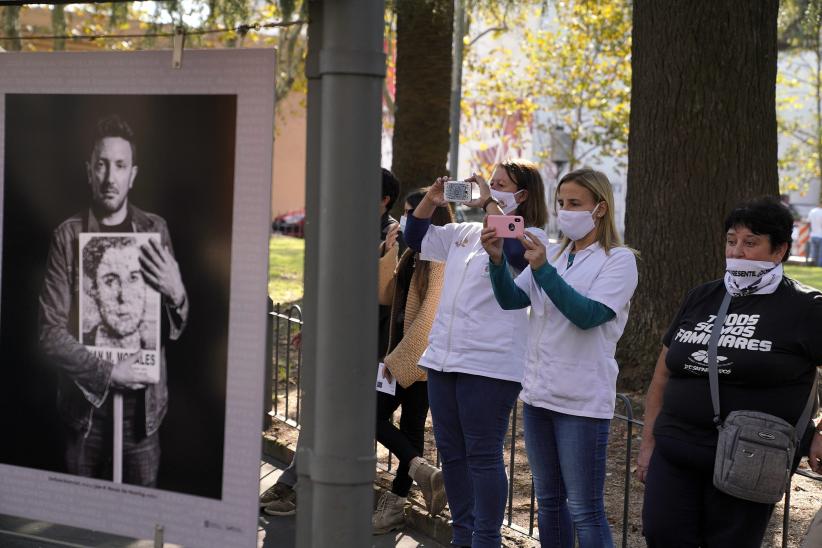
{"x": 273, "y": 531}
{"x": 25, "y": 533}
{"x": 279, "y": 532}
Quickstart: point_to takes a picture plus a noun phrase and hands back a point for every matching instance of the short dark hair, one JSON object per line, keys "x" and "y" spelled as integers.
{"x": 390, "y": 188}
{"x": 95, "y": 249}
{"x": 767, "y": 216}
{"x": 415, "y": 197}
{"x": 114, "y": 126}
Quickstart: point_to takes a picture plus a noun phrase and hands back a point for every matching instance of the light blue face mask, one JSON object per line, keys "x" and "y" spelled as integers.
{"x": 403, "y": 220}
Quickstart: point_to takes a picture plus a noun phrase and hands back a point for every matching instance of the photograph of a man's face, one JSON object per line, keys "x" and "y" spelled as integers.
{"x": 111, "y": 172}
{"x": 118, "y": 308}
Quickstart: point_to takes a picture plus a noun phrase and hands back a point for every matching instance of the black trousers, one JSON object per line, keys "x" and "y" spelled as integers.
{"x": 682, "y": 508}
{"x": 407, "y": 441}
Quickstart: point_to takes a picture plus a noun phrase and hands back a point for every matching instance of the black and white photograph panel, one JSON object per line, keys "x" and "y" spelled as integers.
{"x": 116, "y": 255}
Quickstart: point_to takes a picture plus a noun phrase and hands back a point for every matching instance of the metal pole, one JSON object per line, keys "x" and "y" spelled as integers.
{"x": 786, "y": 515}
{"x": 341, "y": 461}
{"x": 159, "y": 533}
{"x": 117, "y": 457}
{"x": 305, "y": 444}
{"x": 456, "y": 88}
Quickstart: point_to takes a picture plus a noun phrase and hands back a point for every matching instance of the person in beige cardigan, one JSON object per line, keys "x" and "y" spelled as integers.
{"x": 412, "y": 288}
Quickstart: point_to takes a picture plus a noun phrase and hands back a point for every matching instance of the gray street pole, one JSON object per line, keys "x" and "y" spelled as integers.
{"x": 305, "y": 445}
{"x": 340, "y": 461}
{"x": 456, "y": 88}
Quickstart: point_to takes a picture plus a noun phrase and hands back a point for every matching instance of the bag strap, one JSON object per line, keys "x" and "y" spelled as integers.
{"x": 713, "y": 343}
{"x": 713, "y": 374}
{"x": 806, "y": 414}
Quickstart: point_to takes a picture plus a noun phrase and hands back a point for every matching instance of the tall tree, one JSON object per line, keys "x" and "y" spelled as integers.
{"x": 702, "y": 138}
{"x": 799, "y": 105}
{"x": 420, "y": 142}
{"x": 11, "y": 28}
{"x": 581, "y": 67}
{"x": 564, "y": 63}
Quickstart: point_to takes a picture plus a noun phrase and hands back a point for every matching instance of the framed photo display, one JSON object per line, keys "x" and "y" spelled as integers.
{"x": 134, "y": 222}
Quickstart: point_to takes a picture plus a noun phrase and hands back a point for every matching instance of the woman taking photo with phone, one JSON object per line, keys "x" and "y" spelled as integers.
{"x": 579, "y": 292}
{"x": 476, "y": 350}
{"x": 411, "y": 287}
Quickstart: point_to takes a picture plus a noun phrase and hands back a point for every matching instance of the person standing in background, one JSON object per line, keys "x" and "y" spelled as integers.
{"x": 815, "y": 219}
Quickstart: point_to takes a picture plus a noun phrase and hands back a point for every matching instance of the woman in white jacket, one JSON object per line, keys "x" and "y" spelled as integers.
{"x": 579, "y": 292}
{"x": 476, "y": 350}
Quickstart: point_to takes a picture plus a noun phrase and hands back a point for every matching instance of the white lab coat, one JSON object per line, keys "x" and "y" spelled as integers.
{"x": 471, "y": 332}
{"x": 568, "y": 369}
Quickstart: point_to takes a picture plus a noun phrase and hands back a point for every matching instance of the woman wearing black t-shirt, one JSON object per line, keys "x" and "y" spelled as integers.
{"x": 767, "y": 358}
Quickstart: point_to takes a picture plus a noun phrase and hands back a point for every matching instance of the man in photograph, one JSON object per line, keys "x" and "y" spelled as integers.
{"x": 87, "y": 381}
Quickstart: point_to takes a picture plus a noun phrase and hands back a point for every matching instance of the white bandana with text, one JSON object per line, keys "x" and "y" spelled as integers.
{"x": 745, "y": 277}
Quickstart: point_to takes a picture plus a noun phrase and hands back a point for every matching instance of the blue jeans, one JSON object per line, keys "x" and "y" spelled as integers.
{"x": 816, "y": 250}
{"x": 567, "y": 457}
{"x": 470, "y": 415}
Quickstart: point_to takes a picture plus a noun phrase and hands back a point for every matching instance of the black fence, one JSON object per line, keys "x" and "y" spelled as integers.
{"x": 283, "y": 384}
{"x": 282, "y": 380}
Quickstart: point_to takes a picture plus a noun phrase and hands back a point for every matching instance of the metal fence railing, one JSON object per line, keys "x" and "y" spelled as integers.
{"x": 283, "y": 387}
{"x": 282, "y": 382}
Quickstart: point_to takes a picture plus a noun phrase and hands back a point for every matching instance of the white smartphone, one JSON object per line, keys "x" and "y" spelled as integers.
{"x": 458, "y": 191}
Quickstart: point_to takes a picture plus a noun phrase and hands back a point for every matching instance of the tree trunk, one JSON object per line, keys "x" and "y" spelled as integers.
{"x": 58, "y": 26}
{"x": 420, "y": 143}
{"x": 11, "y": 28}
{"x": 703, "y": 138}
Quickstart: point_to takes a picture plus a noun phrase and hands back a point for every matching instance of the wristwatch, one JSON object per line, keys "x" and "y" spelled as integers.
{"x": 489, "y": 200}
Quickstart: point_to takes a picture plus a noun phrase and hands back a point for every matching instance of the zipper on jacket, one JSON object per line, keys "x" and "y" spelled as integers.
{"x": 541, "y": 333}
{"x": 453, "y": 309}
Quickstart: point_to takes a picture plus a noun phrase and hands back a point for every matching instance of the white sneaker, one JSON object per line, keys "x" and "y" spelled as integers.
{"x": 390, "y": 513}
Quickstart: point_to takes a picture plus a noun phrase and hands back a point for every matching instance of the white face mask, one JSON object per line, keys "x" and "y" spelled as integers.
{"x": 403, "y": 220}
{"x": 576, "y": 224}
{"x": 507, "y": 201}
{"x": 746, "y": 277}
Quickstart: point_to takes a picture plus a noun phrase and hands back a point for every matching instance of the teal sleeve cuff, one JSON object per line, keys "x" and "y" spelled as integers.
{"x": 583, "y": 312}
{"x": 508, "y": 294}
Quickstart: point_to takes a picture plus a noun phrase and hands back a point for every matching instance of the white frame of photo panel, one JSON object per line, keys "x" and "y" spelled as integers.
{"x": 127, "y": 509}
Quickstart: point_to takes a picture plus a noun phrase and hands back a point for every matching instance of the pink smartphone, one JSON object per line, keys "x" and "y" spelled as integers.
{"x": 508, "y": 226}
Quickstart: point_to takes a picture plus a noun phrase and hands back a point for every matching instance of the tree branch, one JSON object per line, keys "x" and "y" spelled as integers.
{"x": 486, "y": 31}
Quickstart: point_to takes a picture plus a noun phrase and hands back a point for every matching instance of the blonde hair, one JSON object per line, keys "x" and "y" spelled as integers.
{"x": 597, "y": 184}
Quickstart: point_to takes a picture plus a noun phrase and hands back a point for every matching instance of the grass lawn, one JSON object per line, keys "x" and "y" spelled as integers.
{"x": 285, "y": 268}
{"x": 808, "y": 275}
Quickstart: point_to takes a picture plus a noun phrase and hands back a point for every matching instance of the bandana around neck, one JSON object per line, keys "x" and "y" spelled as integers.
{"x": 745, "y": 277}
